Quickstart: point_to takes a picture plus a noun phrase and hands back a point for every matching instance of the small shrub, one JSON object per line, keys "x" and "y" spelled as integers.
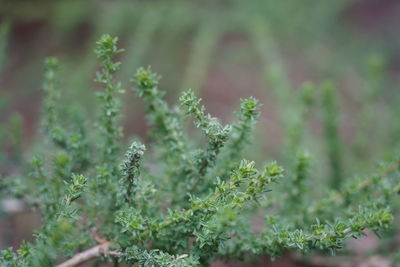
{"x": 189, "y": 202}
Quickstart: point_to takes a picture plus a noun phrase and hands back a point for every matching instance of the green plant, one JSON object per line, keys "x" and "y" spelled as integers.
{"x": 193, "y": 203}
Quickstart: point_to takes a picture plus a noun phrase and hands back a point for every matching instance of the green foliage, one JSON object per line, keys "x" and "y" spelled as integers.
{"x": 4, "y": 32}
{"x": 192, "y": 201}
{"x": 130, "y": 171}
{"x": 330, "y": 120}
{"x": 52, "y": 120}
{"x": 74, "y": 140}
{"x": 212, "y": 129}
{"x": 106, "y": 50}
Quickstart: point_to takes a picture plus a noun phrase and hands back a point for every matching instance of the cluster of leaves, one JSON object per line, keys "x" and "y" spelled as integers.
{"x": 194, "y": 203}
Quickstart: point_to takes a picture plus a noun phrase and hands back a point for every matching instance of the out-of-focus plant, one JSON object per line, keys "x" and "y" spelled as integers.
{"x": 4, "y": 31}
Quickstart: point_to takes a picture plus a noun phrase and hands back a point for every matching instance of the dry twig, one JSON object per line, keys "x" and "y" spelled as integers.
{"x": 89, "y": 254}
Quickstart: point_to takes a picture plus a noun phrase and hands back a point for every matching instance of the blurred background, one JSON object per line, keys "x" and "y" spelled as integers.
{"x": 224, "y": 51}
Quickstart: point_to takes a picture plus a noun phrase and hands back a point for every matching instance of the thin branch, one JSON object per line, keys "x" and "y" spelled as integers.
{"x": 89, "y": 254}
{"x": 360, "y": 186}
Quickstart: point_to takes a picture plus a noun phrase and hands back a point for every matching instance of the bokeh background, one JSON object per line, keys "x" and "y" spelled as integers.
{"x": 224, "y": 51}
